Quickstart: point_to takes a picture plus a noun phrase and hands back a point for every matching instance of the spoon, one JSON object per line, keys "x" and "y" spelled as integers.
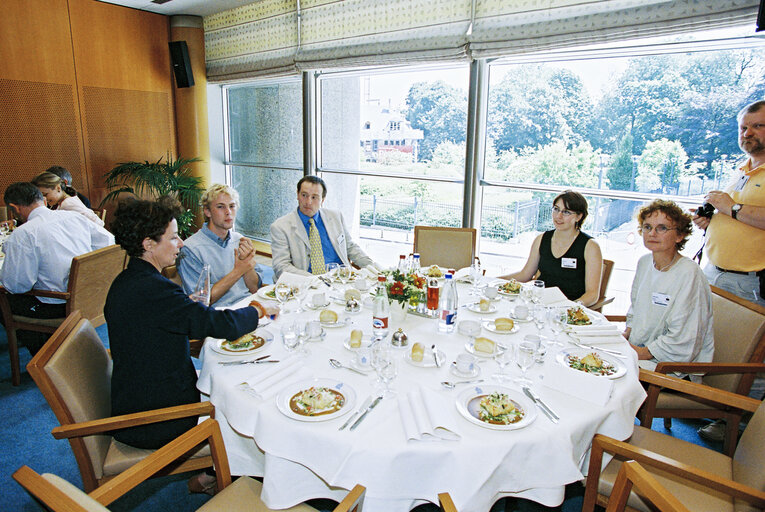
{"x": 337, "y": 364}
{"x": 451, "y": 385}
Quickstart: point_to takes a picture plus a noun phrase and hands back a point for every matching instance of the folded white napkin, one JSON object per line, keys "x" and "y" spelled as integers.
{"x": 269, "y": 382}
{"x": 552, "y": 296}
{"x": 578, "y": 384}
{"x": 463, "y": 275}
{"x": 297, "y": 279}
{"x": 600, "y": 338}
{"x": 594, "y": 329}
{"x": 425, "y": 417}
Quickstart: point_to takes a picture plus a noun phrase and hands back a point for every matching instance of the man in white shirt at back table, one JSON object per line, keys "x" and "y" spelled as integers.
{"x": 234, "y": 273}
{"x": 38, "y": 255}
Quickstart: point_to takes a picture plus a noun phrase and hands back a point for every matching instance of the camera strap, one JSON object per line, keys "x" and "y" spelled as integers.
{"x": 700, "y": 252}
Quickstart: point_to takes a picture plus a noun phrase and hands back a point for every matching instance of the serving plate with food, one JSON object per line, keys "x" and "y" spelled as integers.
{"x": 316, "y": 400}
{"x": 591, "y": 362}
{"x": 267, "y": 292}
{"x": 501, "y": 326}
{"x": 246, "y": 345}
{"x": 482, "y": 347}
{"x": 434, "y": 271}
{"x": 496, "y": 407}
{"x": 578, "y": 316}
{"x": 511, "y": 288}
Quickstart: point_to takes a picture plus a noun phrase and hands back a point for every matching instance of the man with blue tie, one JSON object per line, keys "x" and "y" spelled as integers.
{"x": 307, "y": 239}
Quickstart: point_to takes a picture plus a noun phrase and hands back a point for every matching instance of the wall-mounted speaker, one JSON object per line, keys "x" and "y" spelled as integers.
{"x": 179, "y": 55}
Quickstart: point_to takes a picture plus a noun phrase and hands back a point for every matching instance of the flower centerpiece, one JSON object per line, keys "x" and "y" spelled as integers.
{"x": 404, "y": 288}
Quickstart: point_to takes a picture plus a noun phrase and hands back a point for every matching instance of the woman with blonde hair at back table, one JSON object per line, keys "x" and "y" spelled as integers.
{"x": 59, "y": 196}
{"x": 670, "y": 316}
{"x": 565, "y": 256}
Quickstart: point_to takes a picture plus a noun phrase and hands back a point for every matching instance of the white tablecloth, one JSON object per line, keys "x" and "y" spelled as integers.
{"x": 302, "y": 460}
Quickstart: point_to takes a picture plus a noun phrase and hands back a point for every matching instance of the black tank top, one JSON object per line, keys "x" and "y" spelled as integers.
{"x": 551, "y": 270}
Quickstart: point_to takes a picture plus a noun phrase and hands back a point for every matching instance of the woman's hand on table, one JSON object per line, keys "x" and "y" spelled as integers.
{"x": 272, "y": 312}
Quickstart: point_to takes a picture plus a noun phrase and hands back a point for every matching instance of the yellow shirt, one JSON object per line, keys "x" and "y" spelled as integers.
{"x": 731, "y": 244}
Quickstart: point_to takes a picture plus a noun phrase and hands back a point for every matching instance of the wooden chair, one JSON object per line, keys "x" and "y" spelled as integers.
{"x": 73, "y": 371}
{"x": 172, "y": 274}
{"x": 243, "y": 494}
{"x": 90, "y": 277}
{"x": 446, "y": 503}
{"x": 445, "y": 247}
{"x": 700, "y": 478}
{"x": 605, "y": 276}
{"x": 634, "y": 475}
{"x": 101, "y": 214}
{"x": 739, "y": 332}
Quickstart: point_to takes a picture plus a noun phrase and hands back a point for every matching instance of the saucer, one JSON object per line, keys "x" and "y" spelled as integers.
{"x": 475, "y": 373}
{"x": 320, "y": 337}
{"x": 362, "y": 369}
{"x": 317, "y": 306}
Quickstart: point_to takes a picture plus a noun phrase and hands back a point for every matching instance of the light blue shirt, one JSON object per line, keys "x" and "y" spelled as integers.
{"x": 330, "y": 255}
{"x": 38, "y": 254}
{"x": 204, "y": 246}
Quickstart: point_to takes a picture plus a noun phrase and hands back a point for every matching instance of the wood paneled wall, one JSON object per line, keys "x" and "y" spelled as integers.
{"x": 85, "y": 85}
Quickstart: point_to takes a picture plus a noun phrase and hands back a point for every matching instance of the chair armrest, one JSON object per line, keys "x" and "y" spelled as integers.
{"x": 208, "y": 430}
{"x": 40, "y": 293}
{"x": 710, "y": 368}
{"x": 601, "y": 303}
{"x": 616, "y": 318}
{"x": 648, "y": 458}
{"x": 447, "y": 505}
{"x": 88, "y": 428}
{"x": 352, "y": 502}
{"x": 718, "y": 396}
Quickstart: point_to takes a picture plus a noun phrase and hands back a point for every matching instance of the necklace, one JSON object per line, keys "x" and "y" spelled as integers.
{"x": 662, "y": 269}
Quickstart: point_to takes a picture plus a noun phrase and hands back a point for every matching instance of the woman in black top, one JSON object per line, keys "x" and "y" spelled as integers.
{"x": 565, "y": 257}
{"x": 150, "y": 320}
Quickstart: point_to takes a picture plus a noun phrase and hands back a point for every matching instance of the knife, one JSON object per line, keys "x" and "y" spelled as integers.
{"x": 364, "y": 414}
{"x": 545, "y": 409}
{"x": 246, "y": 362}
{"x": 435, "y": 355}
{"x": 362, "y": 408}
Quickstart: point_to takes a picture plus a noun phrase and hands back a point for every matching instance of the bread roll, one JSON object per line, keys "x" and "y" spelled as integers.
{"x": 356, "y": 336}
{"x": 484, "y": 305}
{"x": 484, "y": 345}
{"x": 503, "y": 324}
{"x": 418, "y": 351}
{"x": 327, "y": 316}
{"x": 352, "y": 293}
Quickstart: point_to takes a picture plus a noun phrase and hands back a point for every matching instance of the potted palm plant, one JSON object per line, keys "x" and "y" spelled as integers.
{"x": 155, "y": 179}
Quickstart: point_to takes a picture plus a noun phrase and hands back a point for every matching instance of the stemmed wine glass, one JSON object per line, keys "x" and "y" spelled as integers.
{"x": 475, "y": 276}
{"x": 503, "y": 357}
{"x": 298, "y": 293}
{"x": 524, "y": 359}
{"x": 558, "y": 319}
{"x": 387, "y": 374}
{"x": 301, "y": 330}
{"x": 282, "y": 292}
{"x": 289, "y": 337}
{"x": 539, "y": 314}
{"x": 343, "y": 273}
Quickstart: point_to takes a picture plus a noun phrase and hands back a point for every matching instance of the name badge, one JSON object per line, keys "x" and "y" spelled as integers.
{"x": 741, "y": 183}
{"x": 660, "y": 299}
{"x": 341, "y": 239}
{"x": 568, "y": 263}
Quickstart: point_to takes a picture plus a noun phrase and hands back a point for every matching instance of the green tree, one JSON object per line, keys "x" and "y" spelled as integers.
{"x": 620, "y": 171}
{"x": 555, "y": 164}
{"x": 661, "y": 165}
{"x": 440, "y": 111}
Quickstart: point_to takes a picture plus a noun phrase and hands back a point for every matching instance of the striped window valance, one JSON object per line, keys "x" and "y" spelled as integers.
{"x": 277, "y": 37}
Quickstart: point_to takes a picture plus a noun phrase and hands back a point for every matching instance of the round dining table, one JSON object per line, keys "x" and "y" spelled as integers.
{"x": 303, "y": 458}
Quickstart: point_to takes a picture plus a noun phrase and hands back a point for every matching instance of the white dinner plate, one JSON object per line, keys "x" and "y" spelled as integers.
{"x": 263, "y": 333}
{"x": 563, "y": 359}
{"x": 489, "y": 326}
{"x": 476, "y": 308}
{"x": 468, "y": 400}
{"x": 286, "y": 394}
{"x": 428, "y": 361}
{"x": 263, "y": 292}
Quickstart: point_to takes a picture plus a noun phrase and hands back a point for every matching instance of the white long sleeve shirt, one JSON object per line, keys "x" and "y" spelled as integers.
{"x": 39, "y": 253}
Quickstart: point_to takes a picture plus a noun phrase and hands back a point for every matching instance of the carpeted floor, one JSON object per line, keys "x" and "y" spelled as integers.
{"x": 26, "y": 439}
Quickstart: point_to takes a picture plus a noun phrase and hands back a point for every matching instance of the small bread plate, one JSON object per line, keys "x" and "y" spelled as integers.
{"x": 476, "y": 308}
{"x": 468, "y": 375}
{"x": 363, "y": 369}
{"x": 267, "y": 292}
{"x": 572, "y": 358}
{"x": 337, "y": 397}
{"x": 317, "y": 306}
{"x": 469, "y": 406}
{"x": 470, "y": 348}
{"x": 341, "y": 322}
{"x": 250, "y": 344}
{"x": 428, "y": 361}
{"x": 489, "y": 326}
{"x": 528, "y": 318}
{"x": 366, "y": 341}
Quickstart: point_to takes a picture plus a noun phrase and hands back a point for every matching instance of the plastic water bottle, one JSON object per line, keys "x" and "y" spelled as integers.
{"x": 380, "y": 309}
{"x": 415, "y": 263}
{"x": 403, "y": 264}
{"x": 203, "y": 287}
{"x": 448, "y": 303}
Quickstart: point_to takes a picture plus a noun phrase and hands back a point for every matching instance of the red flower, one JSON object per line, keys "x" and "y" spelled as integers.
{"x": 397, "y": 288}
{"x": 419, "y": 282}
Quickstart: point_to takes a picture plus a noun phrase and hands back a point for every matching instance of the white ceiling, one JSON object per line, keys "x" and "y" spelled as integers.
{"x": 189, "y": 7}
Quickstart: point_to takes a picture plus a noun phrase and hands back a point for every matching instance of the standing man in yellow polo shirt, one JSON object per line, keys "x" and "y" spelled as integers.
{"x": 735, "y": 235}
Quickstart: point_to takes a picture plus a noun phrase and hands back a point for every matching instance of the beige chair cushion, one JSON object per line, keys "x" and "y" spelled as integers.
{"x": 47, "y": 322}
{"x": 243, "y": 495}
{"x": 121, "y": 456}
{"x": 695, "y": 497}
{"x": 76, "y": 494}
{"x": 669, "y": 400}
{"x": 748, "y": 467}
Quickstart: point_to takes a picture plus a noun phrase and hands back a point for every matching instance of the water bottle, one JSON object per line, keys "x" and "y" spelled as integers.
{"x": 415, "y": 264}
{"x": 380, "y": 310}
{"x": 203, "y": 287}
{"x": 403, "y": 264}
{"x": 448, "y": 306}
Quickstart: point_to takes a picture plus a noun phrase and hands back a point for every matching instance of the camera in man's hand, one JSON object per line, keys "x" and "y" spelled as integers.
{"x": 705, "y": 210}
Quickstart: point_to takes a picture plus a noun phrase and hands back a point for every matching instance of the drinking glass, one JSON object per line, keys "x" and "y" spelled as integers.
{"x": 332, "y": 270}
{"x": 527, "y": 293}
{"x": 290, "y": 338}
{"x": 503, "y": 357}
{"x": 524, "y": 359}
{"x": 282, "y": 292}
{"x": 475, "y": 276}
{"x": 539, "y": 314}
{"x": 387, "y": 374}
{"x": 536, "y": 291}
{"x": 558, "y": 319}
{"x": 343, "y": 273}
{"x": 301, "y": 330}
{"x": 380, "y": 357}
{"x": 298, "y": 293}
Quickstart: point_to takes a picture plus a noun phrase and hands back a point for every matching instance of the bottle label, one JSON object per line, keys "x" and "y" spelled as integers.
{"x": 380, "y": 323}
{"x": 449, "y": 316}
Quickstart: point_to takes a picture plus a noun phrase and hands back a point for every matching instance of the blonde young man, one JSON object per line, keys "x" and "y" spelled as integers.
{"x": 233, "y": 270}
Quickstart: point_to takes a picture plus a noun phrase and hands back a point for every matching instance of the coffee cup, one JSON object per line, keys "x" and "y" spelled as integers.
{"x": 465, "y": 363}
{"x": 314, "y": 329}
{"x": 491, "y": 292}
{"x": 363, "y": 358}
{"x": 319, "y": 299}
{"x": 361, "y": 284}
{"x": 521, "y": 311}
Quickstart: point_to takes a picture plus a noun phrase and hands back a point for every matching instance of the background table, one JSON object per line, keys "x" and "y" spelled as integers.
{"x": 301, "y": 460}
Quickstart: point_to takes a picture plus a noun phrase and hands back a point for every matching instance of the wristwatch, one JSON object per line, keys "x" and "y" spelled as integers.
{"x": 735, "y": 209}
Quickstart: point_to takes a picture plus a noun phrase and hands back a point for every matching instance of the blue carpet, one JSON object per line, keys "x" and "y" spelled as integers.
{"x": 26, "y": 439}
